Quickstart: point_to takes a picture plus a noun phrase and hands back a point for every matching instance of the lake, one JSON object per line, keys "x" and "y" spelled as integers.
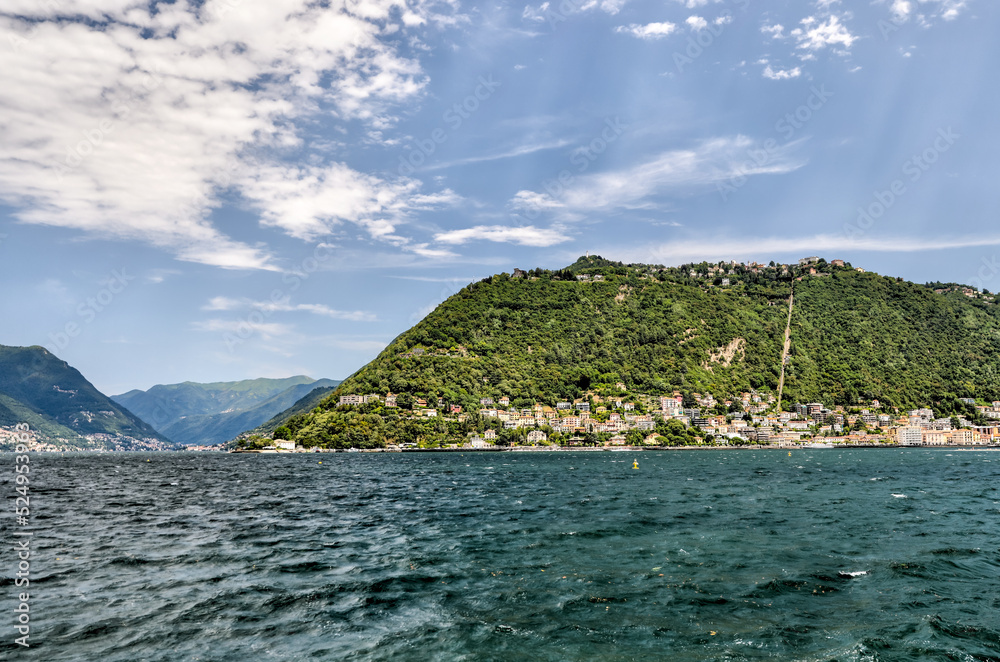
{"x": 696, "y": 555}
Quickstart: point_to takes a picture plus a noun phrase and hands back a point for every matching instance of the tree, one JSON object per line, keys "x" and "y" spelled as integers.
{"x": 282, "y": 432}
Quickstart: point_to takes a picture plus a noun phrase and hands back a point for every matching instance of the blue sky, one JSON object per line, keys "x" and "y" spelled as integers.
{"x": 232, "y": 189}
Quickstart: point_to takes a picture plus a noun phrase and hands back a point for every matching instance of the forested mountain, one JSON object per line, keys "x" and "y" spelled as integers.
{"x": 62, "y": 407}
{"x": 193, "y": 413}
{"x": 547, "y": 336}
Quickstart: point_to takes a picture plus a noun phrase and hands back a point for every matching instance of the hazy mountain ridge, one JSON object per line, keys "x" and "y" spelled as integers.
{"x": 194, "y": 413}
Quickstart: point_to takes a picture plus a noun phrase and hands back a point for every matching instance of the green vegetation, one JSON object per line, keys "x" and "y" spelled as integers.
{"x": 550, "y": 336}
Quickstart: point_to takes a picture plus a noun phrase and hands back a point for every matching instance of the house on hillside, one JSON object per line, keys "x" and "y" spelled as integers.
{"x": 536, "y": 436}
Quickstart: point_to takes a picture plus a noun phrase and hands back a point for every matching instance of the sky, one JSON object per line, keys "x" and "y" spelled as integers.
{"x": 230, "y": 189}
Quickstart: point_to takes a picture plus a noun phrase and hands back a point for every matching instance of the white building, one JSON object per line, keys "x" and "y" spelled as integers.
{"x": 536, "y": 435}
{"x": 911, "y": 435}
{"x": 479, "y": 442}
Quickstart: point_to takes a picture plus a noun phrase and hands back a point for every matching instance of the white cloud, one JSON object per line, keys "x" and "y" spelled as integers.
{"x": 284, "y": 305}
{"x": 520, "y": 150}
{"x": 536, "y": 14}
{"x": 532, "y": 200}
{"x": 612, "y": 6}
{"x": 522, "y": 235}
{"x": 717, "y": 248}
{"x": 693, "y": 4}
{"x": 309, "y": 201}
{"x": 816, "y": 34}
{"x": 776, "y": 30}
{"x": 702, "y": 166}
{"x": 267, "y": 330}
{"x": 127, "y": 122}
{"x": 648, "y": 31}
{"x": 696, "y": 22}
{"x": 559, "y": 11}
{"x": 901, "y": 9}
{"x": 781, "y": 74}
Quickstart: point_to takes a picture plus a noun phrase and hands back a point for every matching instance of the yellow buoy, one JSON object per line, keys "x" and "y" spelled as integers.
{"x": 789, "y": 453}
{"x": 635, "y": 464}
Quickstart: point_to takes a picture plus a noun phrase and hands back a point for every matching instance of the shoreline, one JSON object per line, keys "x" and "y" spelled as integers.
{"x": 615, "y": 449}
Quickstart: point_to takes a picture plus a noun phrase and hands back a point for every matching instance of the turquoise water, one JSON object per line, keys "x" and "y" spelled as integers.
{"x": 697, "y": 555}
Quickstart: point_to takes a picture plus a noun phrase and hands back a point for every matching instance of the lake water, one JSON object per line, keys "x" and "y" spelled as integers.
{"x": 697, "y": 555}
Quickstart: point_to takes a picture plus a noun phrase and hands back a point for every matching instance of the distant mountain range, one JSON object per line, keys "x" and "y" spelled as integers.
{"x": 303, "y": 406}
{"x": 62, "y": 408}
{"x": 204, "y": 414}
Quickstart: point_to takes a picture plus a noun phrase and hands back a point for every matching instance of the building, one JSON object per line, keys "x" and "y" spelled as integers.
{"x": 284, "y": 444}
{"x": 536, "y": 436}
{"x": 351, "y": 400}
{"x": 808, "y": 260}
{"x": 935, "y": 438}
{"x": 490, "y": 435}
{"x": 910, "y": 435}
{"x": 966, "y": 438}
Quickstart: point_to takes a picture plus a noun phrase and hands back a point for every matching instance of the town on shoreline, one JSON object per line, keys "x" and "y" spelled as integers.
{"x": 626, "y": 421}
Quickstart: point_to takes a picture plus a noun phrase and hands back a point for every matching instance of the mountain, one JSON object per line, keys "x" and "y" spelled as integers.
{"x": 192, "y": 413}
{"x": 63, "y": 408}
{"x": 547, "y": 336}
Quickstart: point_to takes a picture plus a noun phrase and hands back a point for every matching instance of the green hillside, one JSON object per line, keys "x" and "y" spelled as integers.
{"x": 549, "y": 336}
{"x": 62, "y": 406}
{"x": 193, "y": 413}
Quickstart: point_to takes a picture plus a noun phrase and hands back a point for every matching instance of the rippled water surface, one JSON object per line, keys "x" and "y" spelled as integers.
{"x": 697, "y": 555}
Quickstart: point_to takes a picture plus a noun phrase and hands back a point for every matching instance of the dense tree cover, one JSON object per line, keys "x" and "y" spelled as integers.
{"x": 860, "y": 336}
{"x": 548, "y": 336}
